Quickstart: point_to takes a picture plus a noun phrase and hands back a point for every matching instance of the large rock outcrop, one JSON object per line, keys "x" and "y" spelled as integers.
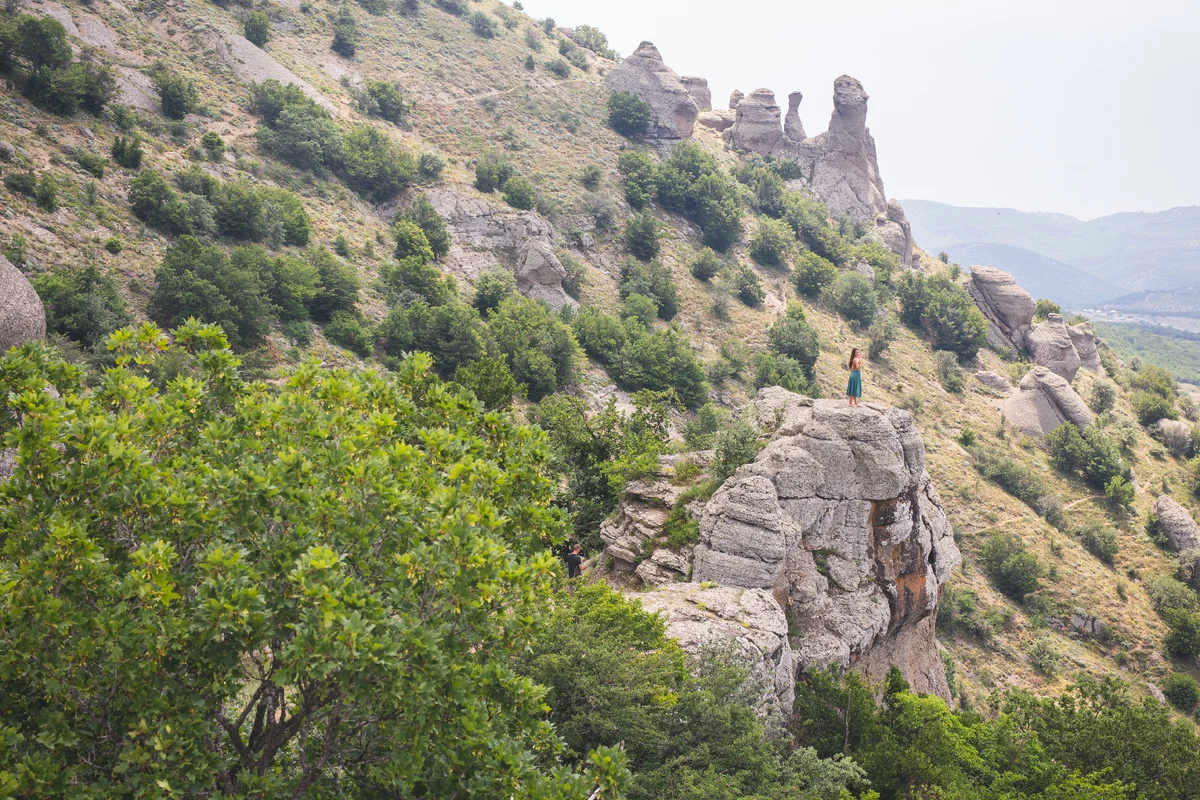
{"x": 1008, "y": 308}
{"x": 645, "y": 74}
{"x": 1050, "y": 345}
{"x": 697, "y": 89}
{"x": 840, "y": 165}
{"x": 838, "y": 524}
{"x": 1084, "y": 339}
{"x": 1175, "y": 523}
{"x": 22, "y": 316}
{"x": 1045, "y": 401}
{"x": 484, "y": 236}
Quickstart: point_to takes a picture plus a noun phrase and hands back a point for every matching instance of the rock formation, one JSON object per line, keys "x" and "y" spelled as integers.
{"x": 645, "y": 74}
{"x": 22, "y": 317}
{"x": 757, "y": 127}
{"x": 1050, "y": 345}
{"x": 719, "y": 121}
{"x": 836, "y": 524}
{"x": 697, "y": 89}
{"x": 700, "y": 616}
{"x": 635, "y": 528}
{"x": 735, "y": 99}
{"x": 1084, "y": 339}
{"x": 793, "y": 128}
{"x": 481, "y": 232}
{"x": 1008, "y": 308}
{"x": 994, "y": 381}
{"x": 1045, "y": 401}
{"x": 1176, "y": 524}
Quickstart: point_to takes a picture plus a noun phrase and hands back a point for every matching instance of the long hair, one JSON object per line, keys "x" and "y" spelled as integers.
{"x": 853, "y": 355}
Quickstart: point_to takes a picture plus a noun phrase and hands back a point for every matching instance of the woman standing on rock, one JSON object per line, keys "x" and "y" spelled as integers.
{"x": 854, "y": 387}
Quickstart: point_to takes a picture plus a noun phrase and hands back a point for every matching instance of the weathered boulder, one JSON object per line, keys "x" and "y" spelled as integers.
{"x": 22, "y": 316}
{"x": 1050, "y": 345}
{"x": 1087, "y": 625}
{"x": 735, "y": 99}
{"x": 484, "y": 236}
{"x": 793, "y": 128}
{"x": 1084, "y": 339}
{"x": 697, "y": 89}
{"x": 757, "y": 127}
{"x": 645, "y": 74}
{"x": 1045, "y": 401}
{"x": 1008, "y": 308}
{"x": 838, "y": 519}
{"x": 1175, "y": 523}
{"x": 895, "y": 231}
{"x": 994, "y": 381}
{"x": 719, "y": 121}
{"x": 750, "y": 620}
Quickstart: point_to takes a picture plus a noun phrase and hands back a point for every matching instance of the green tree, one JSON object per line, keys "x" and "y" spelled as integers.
{"x": 792, "y": 336}
{"x": 345, "y": 33}
{"x": 539, "y": 347}
{"x": 81, "y": 304}
{"x": 176, "y": 93}
{"x": 1015, "y": 570}
{"x": 338, "y": 286}
{"x": 662, "y": 360}
{"x": 1150, "y": 407}
{"x": 258, "y": 28}
{"x": 452, "y": 333}
{"x": 637, "y": 169}
{"x": 492, "y": 288}
{"x": 772, "y": 242}
{"x": 152, "y": 200}
{"x": 852, "y": 297}
{"x": 706, "y": 266}
{"x": 425, "y": 216}
{"x": 1045, "y": 308}
{"x": 490, "y": 380}
{"x": 601, "y": 336}
{"x": 691, "y": 182}
{"x": 628, "y": 114}
{"x": 374, "y": 165}
{"x": 492, "y": 171}
{"x": 519, "y": 193}
{"x": 641, "y": 236}
{"x": 348, "y": 330}
{"x": 651, "y": 279}
{"x": 312, "y": 610}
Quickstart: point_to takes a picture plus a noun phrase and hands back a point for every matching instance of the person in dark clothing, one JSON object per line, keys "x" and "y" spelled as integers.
{"x": 574, "y": 562}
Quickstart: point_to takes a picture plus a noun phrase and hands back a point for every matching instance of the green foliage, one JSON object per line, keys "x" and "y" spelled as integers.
{"x": 374, "y": 165}
{"x": 492, "y": 171}
{"x": 202, "y": 282}
{"x": 1044, "y": 657}
{"x": 594, "y": 39}
{"x": 1183, "y": 640}
{"x": 736, "y": 445}
{"x": 701, "y": 432}
{"x": 772, "y": 242}
{"x": 422, "y": 214}
{"x": 628, "y": 114}
{"x": 1013, "y": 569}
{"x": 345, "y": 33}
{"x": 25, "y": 183}
{"x": 92, "y": 164}
{"x": 1101, "y": 541}
{"x": 882, "y": 260}
{"x": 809, "y": 218}
{"x": 766, "y": 187}
{"x": 1150, "y": 407}
{"x": 530, "y": 62}
{"x": 792, "y": 336}
{"x": 114, "y": 244}
{"x": 707, "y": 265}
{"x": 415, "y": 278}
{"x": 176, "y": 93}
{"x": 128, "y": 151}
{"x": 456, "y": 7}
{"x": 949, "y": 372}
{"x": 451, "y": 333}
{"x": 945, "y": 310}
{"x": 490, "y": 380}
{"x": 813, "y": 273}
{"x": 519, "y": 193}
{"x": 83, "y": 305}
{"x": 653, "y": 280}
{"x": 1104, "y": 396}
{"x": 347, "y": 330}
{"x": 411, "y": 242}
{"x": 637, "y": 169}
{"x": 661, "y": 360}
{"x": 153, "y": 201}
{"x": 691, "y": 182}
{"x": 591, "y": 177}
{"x": 47, "y": 193}
{"x": 1044, "y": 309}
{"x": 639, "y": 309}
{"x": 484, "y": 25}
{"x": 882, "y": 333}
{"x": 36, "y": 51}
{"x": 852, "y": 297}
{"x": 748, "y": 286}
{"x": 294, "y": 128}
{"x": 773, "y": 369}
{"x": 1120, "y": 492}
{"x": 1182, "y": 690}
{"x": 559, "y": 68}
{"x": 1010, "y": 475}
{"x": 405, "y": 637}
{"x": 375, "y": 8}
{"x": 338, "y": 286}
{"x": 1170, "y": 348}
{"x": 641, "y": 236}
{"x": 257, "y": 28}
{"x": 539, "y": 347}
{"x": 492, "y": 288}
{"x": 600, "y": 335}
{"x": 430, "y": 166}
{"x": 383, "y": 99}
{"x": 1089, "y": 453}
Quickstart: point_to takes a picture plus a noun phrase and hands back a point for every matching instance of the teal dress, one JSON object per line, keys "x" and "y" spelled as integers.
{"x": 854, "y": 387}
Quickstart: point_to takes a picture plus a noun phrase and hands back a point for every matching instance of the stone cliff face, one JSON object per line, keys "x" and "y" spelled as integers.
{"x": 645, "y": 74}
{"x": 22, "y": 317}
{"x": 1044, "y": 401}
{"x": 837, "y": 524}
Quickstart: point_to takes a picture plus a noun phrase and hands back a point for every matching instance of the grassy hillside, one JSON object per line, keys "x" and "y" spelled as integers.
{"x": 471, "y": 94}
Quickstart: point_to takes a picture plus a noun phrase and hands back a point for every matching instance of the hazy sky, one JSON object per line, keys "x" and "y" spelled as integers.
{"x": 1085, "y": 108}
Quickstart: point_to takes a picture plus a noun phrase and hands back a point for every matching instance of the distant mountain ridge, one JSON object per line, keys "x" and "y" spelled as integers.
{"x": 1072, "y": 261}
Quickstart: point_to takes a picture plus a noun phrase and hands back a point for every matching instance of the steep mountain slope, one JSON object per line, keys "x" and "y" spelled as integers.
{"x": 472, "y": 94}
{"x": 1132, "y": 251}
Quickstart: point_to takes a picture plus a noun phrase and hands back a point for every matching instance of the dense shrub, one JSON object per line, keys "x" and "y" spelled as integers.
{"x": 1011, "y": 476}
{"x": 539, "y": 347}
{"x": 1183, "y": 640}
{"x": 1013, "y": 569}
{"x": 641, "y": 236}
{"x": 661, "y": 360}
{"x": 36, "y": 49}
{"x": 24, "y": 183}
{"x": 945, "y": 310}
{"x": 883, "y": 261}
{"x": 949, "y": 372}
{"x": 653, "y": 280}
{"x": 492, "y": 288}
{"x": 1044, "y": 308}
{"x": 600, "y": 335}
{"x": 374, "y": 165}
{"x": 128, "y": 151}
{"x": 484, "y": 25}
{"x": 1104, "y": 396}
{"x": 422, "y": 214}
{"x": 591, "y": 176}
{"x": 81, "y": 304}
{"x": 430, "y": 166}
{"x": 793, "y": 337}
{"x": 338, "y": 286}
{"x": 176, "y": 93}
{"x": 345, "y": 33}
{"x": 772, "y": 242}
{"x": 1101, "y": 541}
{"x": 415, "y": 277}
{"x": 809, "y": 219}
{"x": 766, "y": 187}
{"x": 559, "y": 68}
{"x": 813, "y": 273}
{"x": 490, "y": 380}
{"x": 492, "y": 171}
{"x": 736, "y": 445}
{"x": 637, "y": 169}
{"x": 201, "y": 281}
{"x": 852, "y": 297}
{"x": 1155, "y": 379}
{"x": 691, "y": 182}
{"x": 639, "y": 309}
{"x": 519, "y": 193}
{"x": 257, "y": 28}
{"x": 882, "y": 333}
{"x": 91, "y": 163}
{"x": 153, "y": 201}
{"x": 707, "y": 265}
{"x": 294, "y": 128}
{"x": 628, "y": 114}
{"x": 774, "y": 369}
{"x": 411, "y": 242}
{"x": 452, "y": 333}
{"x": 348, "y": 330}
{"x": 1089, "y": 453}
{"x": 1182, "y": 690}
{"x": 46, "y": 194}
{"x": 1150, "y": 407}
{"x": 383, "y": 99}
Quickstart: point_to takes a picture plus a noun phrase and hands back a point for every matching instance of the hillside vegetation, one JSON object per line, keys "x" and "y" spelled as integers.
{"x": 314, "y": 551}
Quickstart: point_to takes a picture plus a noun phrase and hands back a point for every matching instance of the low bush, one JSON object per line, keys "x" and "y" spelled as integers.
{"x": 345, "y": 33}
{"x": 707, "y": 265}
{"x": 591, "y": 176}
{"x": 637, "y": 169}
{"x": 519, "y": 193}
{"x": 430, "y": 166}
{"x": 747, "y": 286}
{"x": 338, "y": 286}
{"x": 1183, "y": 639}
{"x": 451, "y": 333}
{"x": 177, "y": 93}
{"x": 852, "y": 297}
{"x": 348, "y": 330}
{"x": 490, "y": 380}
{"x": 601, "y": 336}
{"x": 945, "y": 310}
{"x": 882, "y": 333}
{"x": 691, "y": 182}
{"x": 559, "y": 68}
{"x": 1104, "y": 396}
{"x": 628, "y": 114}
{"x": 383, "y": 99}
{"x": 1013, "y": 569}
{"x": 492, "y": 171}
{"x": 1182, "y": 690}
{"x": 949, "y": 371}
{"x": 91, "y": 163}
{"x": 484, "y": 25}
{"x": 1044, "y": 308}
{"x": 257, "y": 28}
{"x": 25, "y": 183}
{"x": 492, "y": 288}
{"x": 772, "y": 242}
{"x": 813, "y": 273}
{"x": 1089, "y": 453}
{"x": 792, "y": 336}
{"x": 1101, "y": 541}
{"x": 1010, "y": 475}
{"x": 1150, "y": 407}
{"x": 736, "y": 445}
{"x": 128, "y": 151}
{"x": 83, "y": 305}
{"x": 641, "y": 236}
{"x": 654, "y": 280}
